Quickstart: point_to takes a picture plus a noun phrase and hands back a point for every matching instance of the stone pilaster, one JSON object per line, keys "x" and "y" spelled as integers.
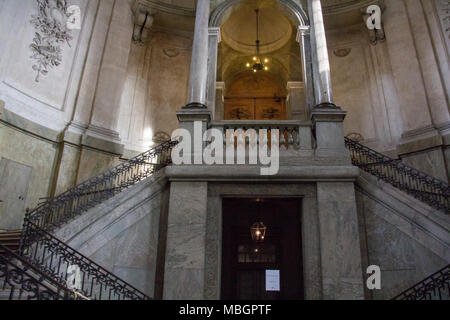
{"x": 213, "y": 41}
{"x": 339, "y": 241}
{"x": 303, "y": 38}
{"x": 295, "y": 101}
{"x": 184, "y": 272}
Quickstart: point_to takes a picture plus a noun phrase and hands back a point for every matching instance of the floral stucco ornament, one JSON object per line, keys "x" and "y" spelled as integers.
{"x": 51, "y": 32}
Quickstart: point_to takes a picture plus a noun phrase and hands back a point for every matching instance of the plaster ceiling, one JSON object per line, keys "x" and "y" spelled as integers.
{"x": 239, "y": 31}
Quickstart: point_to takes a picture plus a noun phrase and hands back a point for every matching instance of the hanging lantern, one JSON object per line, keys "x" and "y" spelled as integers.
{"x": 258, "y": 63}
{"x": 258, "y": 231}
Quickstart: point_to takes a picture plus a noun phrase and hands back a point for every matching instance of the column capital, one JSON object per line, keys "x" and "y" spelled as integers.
{"x": 215, "y": 32}
{"x": 301, "y": 32}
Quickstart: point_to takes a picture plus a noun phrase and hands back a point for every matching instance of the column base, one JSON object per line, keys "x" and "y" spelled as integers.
{"x": 326, "y": 105}
{"x": 195, "y": 105}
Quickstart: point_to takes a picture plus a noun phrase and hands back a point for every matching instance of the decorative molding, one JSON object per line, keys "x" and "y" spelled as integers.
{"x": 342, "y": 52}
{"x": 215, "y": 32}
{"x": 443, "y": 11}
{"x": 52, "y": 31}
{"x": 331, "y": 7}
{"x": 160, "y": 137}
{"x": 153, "y": 6}
{"x": 171, "y": 52}
{"x": 355, "y": 136}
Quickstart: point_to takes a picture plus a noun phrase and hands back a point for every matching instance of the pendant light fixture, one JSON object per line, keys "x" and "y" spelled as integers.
{"x": 258, "y": 229}
{"x": 258, "y": 63}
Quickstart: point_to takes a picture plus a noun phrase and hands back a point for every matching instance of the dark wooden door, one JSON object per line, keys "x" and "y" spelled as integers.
{"x": 245, "y": 262}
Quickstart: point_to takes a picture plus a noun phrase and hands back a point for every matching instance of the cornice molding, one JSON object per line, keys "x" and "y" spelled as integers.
{"x": 347, "y": 6}
{"x": 154, "y": 6}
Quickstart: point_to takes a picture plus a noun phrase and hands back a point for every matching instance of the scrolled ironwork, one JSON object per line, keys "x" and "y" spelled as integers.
{"x": 54, "y": 258}
{"x": 423, "y": 187}
{"x": 23, "y": 281}
{"x": 434, "y": 287}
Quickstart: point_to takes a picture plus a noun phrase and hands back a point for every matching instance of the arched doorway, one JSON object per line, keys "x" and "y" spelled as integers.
{"x": 274, "y": 93}
{"x": 255, "y": 97}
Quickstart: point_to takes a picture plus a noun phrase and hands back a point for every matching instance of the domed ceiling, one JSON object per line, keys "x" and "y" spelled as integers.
{"x": 239, "y": 31}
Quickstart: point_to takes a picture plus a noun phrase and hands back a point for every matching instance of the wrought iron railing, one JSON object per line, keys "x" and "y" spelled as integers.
{"x": 430, "y": 190}
{"x": 57, "y": 259}
{"x": 435, "y": 287}
{"x": 61, "y": 209}
{"x": 20, "y": 280}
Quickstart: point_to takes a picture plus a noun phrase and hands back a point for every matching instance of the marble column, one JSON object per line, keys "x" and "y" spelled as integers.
{"x": 303, "y": 38}
{"x": 213, "y": 42}
{"x": 321, "y": 63}
{"x": 199, "y": 61}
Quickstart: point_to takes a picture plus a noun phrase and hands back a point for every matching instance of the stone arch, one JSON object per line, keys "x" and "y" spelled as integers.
{"x": 293, "y": 11}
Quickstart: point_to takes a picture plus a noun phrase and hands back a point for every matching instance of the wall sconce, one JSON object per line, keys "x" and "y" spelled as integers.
{"x": 143, "y": 22}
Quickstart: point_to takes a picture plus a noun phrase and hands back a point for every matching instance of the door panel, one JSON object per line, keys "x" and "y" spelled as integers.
{"x": 239, "y": 109}
{"x": 255, "y": 109}
{"x": 14, "y": 181}
{"x": 270, "y": 109}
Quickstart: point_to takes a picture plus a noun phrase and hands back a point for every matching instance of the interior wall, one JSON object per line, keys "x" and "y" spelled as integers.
{"x": 50, "y": 101}
{"x": 361, "y": 80}
{"x": 155, "y": 88}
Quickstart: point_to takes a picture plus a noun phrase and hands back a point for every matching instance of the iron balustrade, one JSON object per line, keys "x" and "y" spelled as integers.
{"x": 423, "y": 187}
{"x": 23, "y": 281}
{"x": 54, "y": 258}
{"x": 434, "y": 287}
{"x": 58, "y": 210}
{"x": 57, "y": 260}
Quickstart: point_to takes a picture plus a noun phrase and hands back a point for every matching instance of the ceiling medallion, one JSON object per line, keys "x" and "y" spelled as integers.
{"x": 258, "y": 63}
{"x": 171, "y": 52}
{"x": 342, "y": 52}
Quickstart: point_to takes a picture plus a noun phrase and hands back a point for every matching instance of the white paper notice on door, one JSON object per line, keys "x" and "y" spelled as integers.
{"x": 272, "y": 280}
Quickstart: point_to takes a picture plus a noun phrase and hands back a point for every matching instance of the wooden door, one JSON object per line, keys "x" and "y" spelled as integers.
{"x": 255, "y": 109}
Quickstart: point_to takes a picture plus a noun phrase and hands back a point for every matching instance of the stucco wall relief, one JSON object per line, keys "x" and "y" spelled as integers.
{"x": 52, "y": 31}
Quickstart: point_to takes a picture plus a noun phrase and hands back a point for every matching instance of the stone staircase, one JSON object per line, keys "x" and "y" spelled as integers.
{"x": 10, "y": 240}
{"x": 41, "y": 223}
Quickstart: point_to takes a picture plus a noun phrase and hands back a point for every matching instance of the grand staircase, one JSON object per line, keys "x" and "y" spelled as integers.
{"x": 38, "y": 257}
{"x": 59, "y": 264}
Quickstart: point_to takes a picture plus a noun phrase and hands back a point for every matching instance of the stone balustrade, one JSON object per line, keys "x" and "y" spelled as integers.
{"x": 292, "y": 133}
